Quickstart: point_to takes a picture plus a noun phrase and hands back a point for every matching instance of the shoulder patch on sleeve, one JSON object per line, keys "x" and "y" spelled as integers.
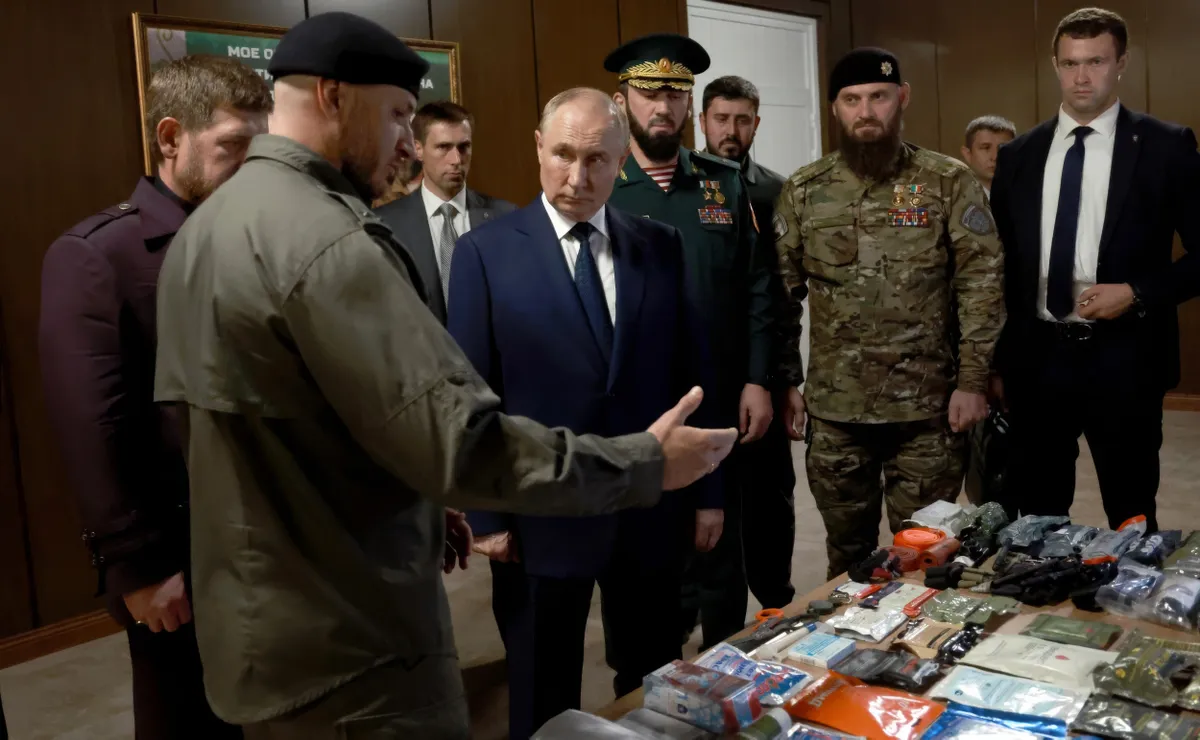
{"x": 780, "y": 224}
{"x": 814, "y": 169}
{"x": 977, "y": 220}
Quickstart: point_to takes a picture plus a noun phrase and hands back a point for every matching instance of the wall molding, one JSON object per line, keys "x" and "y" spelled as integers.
{"x": 1181, "y": 402}
{"x": 58, "y": 636}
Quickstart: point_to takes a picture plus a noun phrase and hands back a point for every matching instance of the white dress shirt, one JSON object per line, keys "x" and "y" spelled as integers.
{"x": 601, "y": 250}
{"x": 461, "y": 222}
{"x": 1093, "y": 199}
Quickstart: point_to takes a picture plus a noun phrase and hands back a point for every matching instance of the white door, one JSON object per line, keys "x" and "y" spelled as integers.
{"x": 778, "y": 53}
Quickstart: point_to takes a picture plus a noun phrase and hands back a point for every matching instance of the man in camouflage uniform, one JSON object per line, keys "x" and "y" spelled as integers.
{"x": 897, "y": 251}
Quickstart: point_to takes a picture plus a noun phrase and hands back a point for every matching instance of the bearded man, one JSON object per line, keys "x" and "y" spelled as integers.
{"x": 897, "y": 252}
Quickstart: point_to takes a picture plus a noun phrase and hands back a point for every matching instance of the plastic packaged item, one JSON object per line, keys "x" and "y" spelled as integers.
{"x": 852, "y": 588}
{"x": 944, "y": 515}
{"x": 777, "y": 647}
{"x": 951, "y": 607}
{"x": 1154, "y": 548}
{"x": 1068, "y": 540}
{"x": 775, "y": 724}
{"x": 1063, "y": 665}
{"x": 960, "y": 644}
{"x": 987, "y": 690}
{"x": 821, "y": 650}
{"x": 1186, "y": 560}
{"x": 847, "y": 704}
{"x": 727, "y": 659}
{"x": 1144, "y": 672}
{"x": 650, "y": 725}
{"x": 700, "y": 696}
{"x": 1111, "y": 717}
{"x": 924, "y": 637}
{"x": 872, "y": 601}
{"x": 1029, "y": 529}
{"x": 872, "y": 625}
{"x": 1132, "y": 587}
{"x": 1176, "y": 601}
{"x": 979, "y": 537}
{"x": 805, "y": 731}
{"x": 1098, "y": 635}
{"x": 901, "y": 597}
{"x": 775, "y": 683}
{"x": 1110, "y": 545}
{"x": 1039, "y": 726}
{"x": 918, "y": 538}
{"x": 891, "y": 669}
{"x": 1189, "y": 697}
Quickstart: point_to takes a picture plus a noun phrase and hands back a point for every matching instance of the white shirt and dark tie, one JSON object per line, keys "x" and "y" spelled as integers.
{"x": 1097, "y": 151}
{"x": 445, "y": 231}
{"x": 601, "y": 249}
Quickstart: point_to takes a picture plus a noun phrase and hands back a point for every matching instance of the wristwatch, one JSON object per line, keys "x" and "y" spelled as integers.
{"x": 1138, "y": 306}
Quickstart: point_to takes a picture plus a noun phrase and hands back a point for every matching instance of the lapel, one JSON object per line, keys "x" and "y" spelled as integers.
{"x": 1028, "y": 183}
{"x": 1125, "y": 154}
{"x": 627, "y": 249}
{"x": 560, "y": 288}
{"x": 417, "y": 238}
{"x": 478, "y": 213}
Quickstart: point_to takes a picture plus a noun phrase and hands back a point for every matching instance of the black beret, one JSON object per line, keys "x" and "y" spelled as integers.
{"x": 861, "y": 67}
{"x": 348, "y": 48}
{"x": 658, "y": 60}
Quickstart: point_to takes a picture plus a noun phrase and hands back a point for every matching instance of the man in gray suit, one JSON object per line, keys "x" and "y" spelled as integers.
{"x": 430, "y": 220}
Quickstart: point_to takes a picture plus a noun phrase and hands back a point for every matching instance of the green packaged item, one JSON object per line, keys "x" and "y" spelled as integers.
{"x": 1189, "y": 697}
{"x": 951, "y": 607}
{"x": 1111, "y": 717}
{"x": 994, "y": 606}
{"x": 1186, "y": 560}
{"x": 1073, "y": 631}
{"x": 1144, "y": 672}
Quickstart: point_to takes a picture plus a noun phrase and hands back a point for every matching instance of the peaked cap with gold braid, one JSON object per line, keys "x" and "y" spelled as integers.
{"x": 660, "y": 60}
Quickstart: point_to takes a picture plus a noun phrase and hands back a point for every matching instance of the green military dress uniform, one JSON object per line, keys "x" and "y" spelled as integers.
{"x": 905, "y": 288}
{"x": 729, "y": 278}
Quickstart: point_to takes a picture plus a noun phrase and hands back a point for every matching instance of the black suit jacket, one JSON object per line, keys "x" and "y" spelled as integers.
{"x": 1154, "y": 189}
{"x": 406, "y": 218}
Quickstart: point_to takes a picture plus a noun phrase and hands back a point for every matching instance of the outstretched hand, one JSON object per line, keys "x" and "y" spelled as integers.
{"x": 689, "y": 453}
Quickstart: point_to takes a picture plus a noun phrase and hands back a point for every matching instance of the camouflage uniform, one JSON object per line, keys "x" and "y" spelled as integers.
{"x": 905, "y": 284}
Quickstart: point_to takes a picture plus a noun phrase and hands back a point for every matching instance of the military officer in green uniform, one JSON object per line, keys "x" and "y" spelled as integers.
{"x": 703, "y": 196}
{"x": 896, "y": 249}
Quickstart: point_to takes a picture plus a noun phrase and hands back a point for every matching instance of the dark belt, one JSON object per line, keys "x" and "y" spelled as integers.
{"x": 1070, "y": 331}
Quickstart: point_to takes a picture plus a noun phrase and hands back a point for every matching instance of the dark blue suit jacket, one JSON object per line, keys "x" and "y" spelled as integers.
{"x": 514, "y": 310}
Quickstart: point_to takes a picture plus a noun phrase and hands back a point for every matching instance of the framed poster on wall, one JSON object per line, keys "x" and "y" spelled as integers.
{"x": 158, "y": 39}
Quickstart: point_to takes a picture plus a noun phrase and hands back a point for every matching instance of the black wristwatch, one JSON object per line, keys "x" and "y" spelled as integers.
{"x": 1138, "y": 306}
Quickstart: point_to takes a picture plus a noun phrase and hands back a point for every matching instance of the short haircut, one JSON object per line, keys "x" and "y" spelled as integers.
{"x": 995, "y": 124}
{"x": 191, "y": 89}
{"x": 441, "y": 111}
{"x": 567, "y": 96}
{"x": 1088, "y": 23}
{"x": 730, "y": 87}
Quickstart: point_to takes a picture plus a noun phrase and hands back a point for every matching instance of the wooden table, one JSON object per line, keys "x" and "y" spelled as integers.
{"x": 1012, "y": 626}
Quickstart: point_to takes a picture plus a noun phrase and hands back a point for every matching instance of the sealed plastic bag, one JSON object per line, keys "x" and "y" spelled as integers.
{"x": 987, "y": 690}
{"x": 1186, "y": 560}
{"x": 1176, "y": 602}
{"x": 1189, "y": 697}
{"x": 1068, "y": 540}
{"x": 1110, "y": 545}
{"x": 867, "y": 624}
{"x": 925, "y": 637}
{"x": 1144, "y": 672}
{"x": 891, "y": 669}
{"x": 849, "y": 705}
{"x": 1063, "y": 665}
{"x": 1028, "y": 530}
{"x": 944, "y": 515}
{"x": 1153, "y": 549}
{"x": 1111, "y": 717}
{"x": 729, "y": 660}
{"x": 1098, "y": 635}
{"x": 1130, "y": 591}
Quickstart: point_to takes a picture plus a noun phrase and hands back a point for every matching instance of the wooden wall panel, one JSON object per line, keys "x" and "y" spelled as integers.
{"x": 407, "y": 18}
{"x": 984, "y": 73}
{"x": 1133, "y": 84}
{"x": 81, "y": 151}
{"x": 285, "y": 13}
{"x": 640, "y": 17}
{"x": 1171, "y": 47}
{"x": 499, "y": 88}
{"x": 910, "y": 36}
{"x": 571, "y": 41}
{"x": 16, "y": 604}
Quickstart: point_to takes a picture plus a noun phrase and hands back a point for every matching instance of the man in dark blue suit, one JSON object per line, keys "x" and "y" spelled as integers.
{"x": 577, "y": 316}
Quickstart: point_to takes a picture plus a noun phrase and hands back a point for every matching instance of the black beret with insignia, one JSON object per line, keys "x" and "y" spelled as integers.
{"x": 863, "y": 66}
{"x": 348, "y": 48}
{"x": 657, "y": 61}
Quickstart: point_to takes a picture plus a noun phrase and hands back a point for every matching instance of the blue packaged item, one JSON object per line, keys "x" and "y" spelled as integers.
{"x": 962, "y": 722}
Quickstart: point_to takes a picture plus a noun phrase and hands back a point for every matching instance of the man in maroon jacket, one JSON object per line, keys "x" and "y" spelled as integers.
{"x": 97, "y": 341}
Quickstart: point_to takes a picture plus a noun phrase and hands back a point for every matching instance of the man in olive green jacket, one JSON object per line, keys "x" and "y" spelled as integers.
{"x": 330, "y": 418}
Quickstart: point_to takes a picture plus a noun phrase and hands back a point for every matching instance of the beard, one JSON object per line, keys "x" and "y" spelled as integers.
{"x": 656, "y": 147}
{"x": 734, "y": 146}
{"x": 190, "y": 181}
{"x": 873, "y": 159}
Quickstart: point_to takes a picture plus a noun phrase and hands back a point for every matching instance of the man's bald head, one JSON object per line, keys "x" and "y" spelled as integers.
{"x": 364, "y": 130}
{"x": 582, "y": 142}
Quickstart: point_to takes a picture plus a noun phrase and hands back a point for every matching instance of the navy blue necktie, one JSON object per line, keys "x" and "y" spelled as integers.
{"x": 591, "y": 289}
{"x": 1060, "y": 282}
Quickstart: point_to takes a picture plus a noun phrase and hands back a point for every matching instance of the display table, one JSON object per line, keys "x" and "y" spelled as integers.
{"x": 1012, "y": 626}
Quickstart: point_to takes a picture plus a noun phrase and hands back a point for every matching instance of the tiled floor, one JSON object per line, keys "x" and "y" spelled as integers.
{"x": 84, "y": 692}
